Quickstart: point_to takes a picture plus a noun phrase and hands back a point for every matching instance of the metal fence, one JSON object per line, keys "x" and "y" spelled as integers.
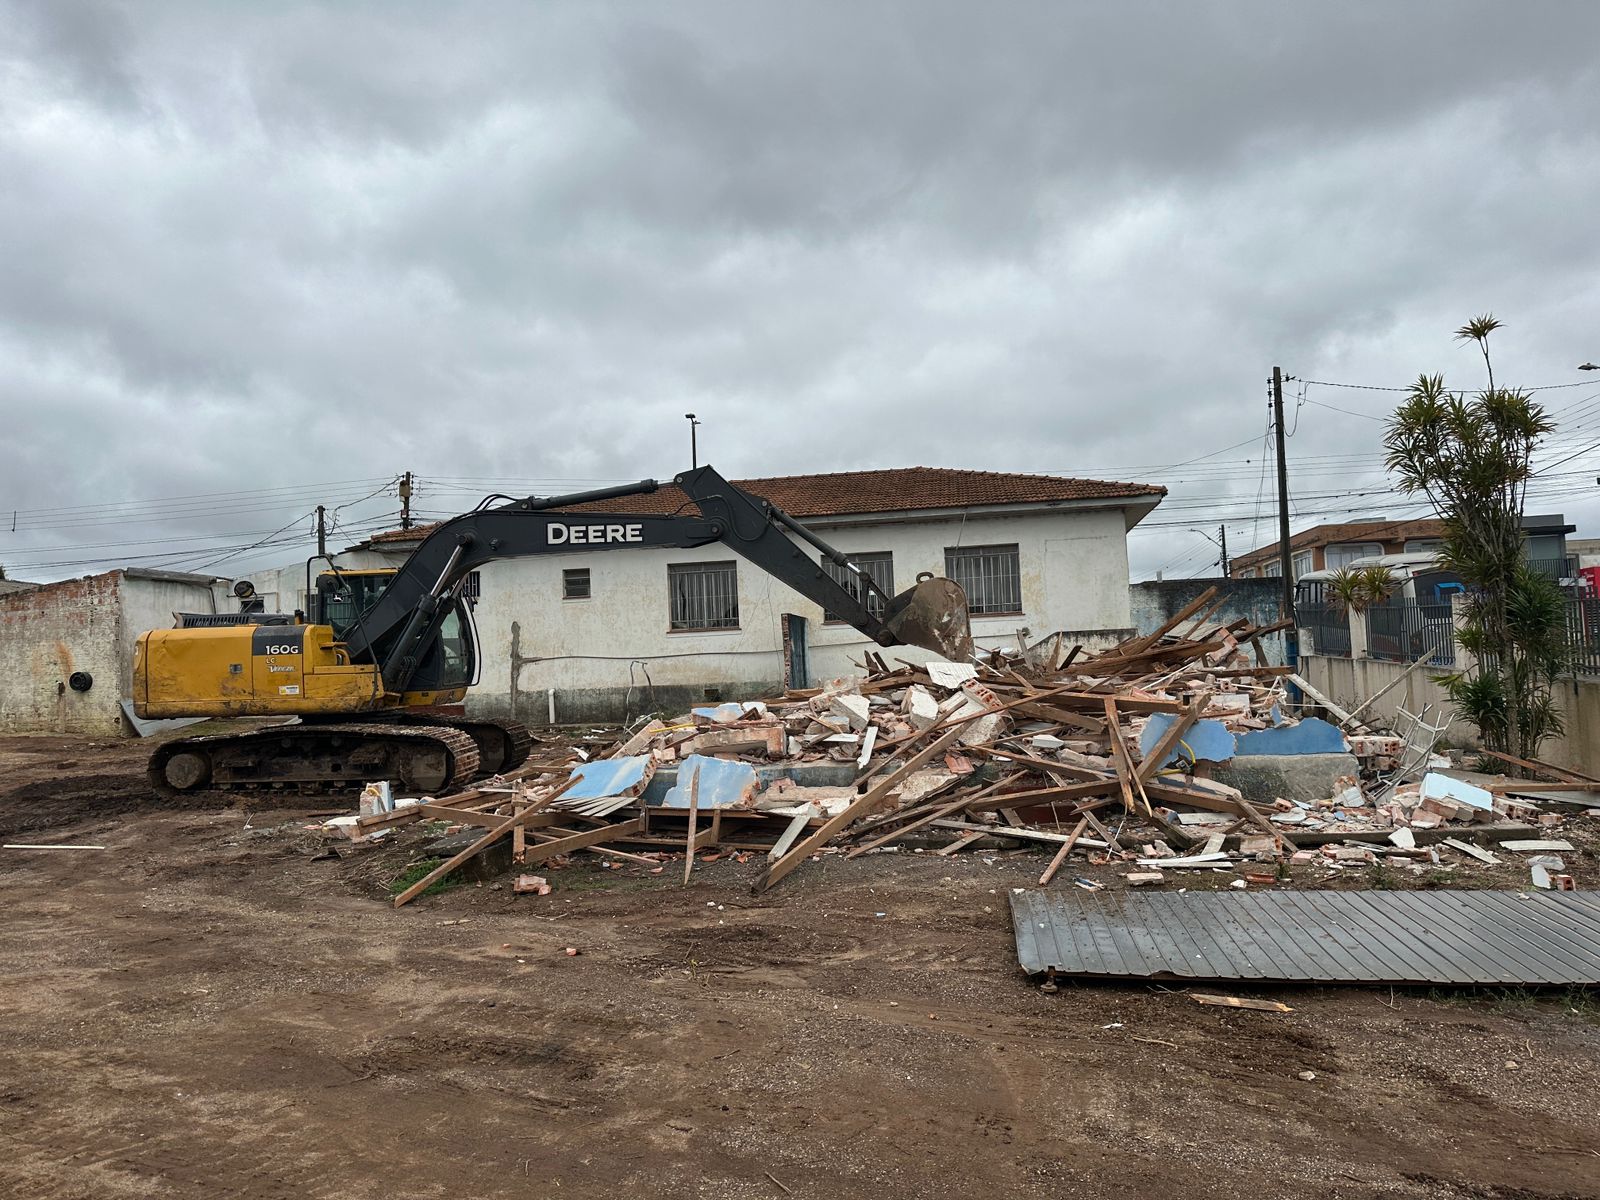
{"x": 1583, "y": 634}
{"x": 1329, "y": 626}
{"x": 1404, "y": 631}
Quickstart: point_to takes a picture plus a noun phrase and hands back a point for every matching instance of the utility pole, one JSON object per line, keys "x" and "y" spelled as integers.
{"x": 322, "y": 532}
{"x": 1222, "y": 535}
{"x": 405, "y": 500}
{"x": 694, "y": 443}
{"x": 1285, "y": 558}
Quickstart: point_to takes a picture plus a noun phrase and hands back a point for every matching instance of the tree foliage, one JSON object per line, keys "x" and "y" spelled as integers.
{"x": 1356, "y": 589}
{"x": 1472, "y": 456}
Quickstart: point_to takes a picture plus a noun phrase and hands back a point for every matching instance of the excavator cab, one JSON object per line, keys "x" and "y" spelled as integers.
{"x": 341, "y": 597}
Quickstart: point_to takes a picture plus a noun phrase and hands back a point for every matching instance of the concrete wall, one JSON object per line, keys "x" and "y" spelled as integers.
{"x": 45, "y": 635}
{"x": 1156, "y": 601}
{"x": 1348, "y": 682}
{"x": 89, "y": 625}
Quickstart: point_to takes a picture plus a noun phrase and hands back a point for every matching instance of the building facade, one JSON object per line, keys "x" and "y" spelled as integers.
{"x": 1330, "y": 547}
{"x": 603, "y": 635}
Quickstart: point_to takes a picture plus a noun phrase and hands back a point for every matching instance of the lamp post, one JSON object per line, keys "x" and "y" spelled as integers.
{"x": 694, "y": 447}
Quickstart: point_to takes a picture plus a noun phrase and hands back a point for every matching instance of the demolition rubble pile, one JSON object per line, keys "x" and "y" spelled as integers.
{"x": 1097, "y": 754}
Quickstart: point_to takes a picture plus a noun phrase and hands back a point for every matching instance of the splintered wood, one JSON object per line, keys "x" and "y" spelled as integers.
{"x": 1026, "y": 749}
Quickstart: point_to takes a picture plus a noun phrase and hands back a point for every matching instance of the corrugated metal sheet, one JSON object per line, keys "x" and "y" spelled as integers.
{"x": 1447, "y": 937}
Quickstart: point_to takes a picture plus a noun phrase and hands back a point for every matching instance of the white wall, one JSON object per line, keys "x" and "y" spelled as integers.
{"x": 1074, "y": 575}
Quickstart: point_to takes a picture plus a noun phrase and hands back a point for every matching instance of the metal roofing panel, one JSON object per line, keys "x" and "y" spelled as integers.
{"x": 1450, "y": 937}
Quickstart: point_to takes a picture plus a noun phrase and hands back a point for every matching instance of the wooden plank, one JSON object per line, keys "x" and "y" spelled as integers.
{"x": 1087, "y": 789}
{"x": 1473, "y": 851}
{"x": 781, "y": 846}
{"x": 1174, "y": 734}
{"x": 1542, "y": 768}
{"x": 487, "y": 839}
{"x": 694, "y": 816}
{"x": 582, "y": 841}
{"x": 1344, "y": 718}
{"x": 1182, "y": 615}
{"x": 639, "y": 742}
{"x": 868, "y": 741}
{"x": 961, "y": 843}
{"x": 1061, "y": 854}
{"x": 1021, "y": 835}
{"x": 1533, "y": 785}
{"x": 1119, "y": 757}
{"x": 466, "y": 816}
{"x": 858, "y": 808}
{"x": 1254, "y": 814}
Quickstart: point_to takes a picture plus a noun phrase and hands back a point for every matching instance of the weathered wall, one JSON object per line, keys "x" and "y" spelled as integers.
{"x": 45, "y": 635}
{"x": 1156, "y": 601}
{"x": 1579, "y": 747}
{"x": 89, "y": 625}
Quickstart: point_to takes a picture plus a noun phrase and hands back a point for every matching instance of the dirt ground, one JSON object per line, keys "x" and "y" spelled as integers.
{"x": 205, "y": 1009}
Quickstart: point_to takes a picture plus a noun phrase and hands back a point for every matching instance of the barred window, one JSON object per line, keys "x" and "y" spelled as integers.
{"x": 879, "y": 564}
{"x": 575, "y": 583}
{"x": 990, "y": 575}
{"x": 703, "y": 595}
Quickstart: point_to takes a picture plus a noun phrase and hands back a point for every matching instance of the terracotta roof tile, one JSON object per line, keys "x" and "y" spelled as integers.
{"x": 900, "y": 489}
{"x": 1350, "y": 531}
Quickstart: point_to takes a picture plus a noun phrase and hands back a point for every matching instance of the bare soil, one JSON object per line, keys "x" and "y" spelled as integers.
{"x": 208, "y": 1009}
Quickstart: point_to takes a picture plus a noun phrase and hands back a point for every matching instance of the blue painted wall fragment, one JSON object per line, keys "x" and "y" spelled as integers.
{"x": 1312, "y": 735}
{"x": 724, "y": 783}
{"x": 608, "y": 777}
{"x": 1207, "y": 741}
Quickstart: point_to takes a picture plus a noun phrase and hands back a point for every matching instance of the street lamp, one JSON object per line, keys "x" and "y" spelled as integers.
{"x": 694, "y": 448}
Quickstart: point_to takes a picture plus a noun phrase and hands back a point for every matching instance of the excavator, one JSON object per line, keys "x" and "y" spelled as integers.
{"x": 378, "y": 665}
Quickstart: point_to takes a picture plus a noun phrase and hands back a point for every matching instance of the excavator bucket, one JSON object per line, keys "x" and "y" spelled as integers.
{"x": 933, "y": 615}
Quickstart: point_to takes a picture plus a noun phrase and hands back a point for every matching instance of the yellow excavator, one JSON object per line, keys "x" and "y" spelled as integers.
{"x": 376, "y": 668}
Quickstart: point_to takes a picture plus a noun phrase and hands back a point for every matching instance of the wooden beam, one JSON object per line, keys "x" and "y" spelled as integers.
{"x": 1174, "y": 734}
{"x": 858, "y": 808}
{"x": 1119, "y": 757}
{"x": 582, "y": 841}
{"x": 694, "y": 816}
{"x": 1061, "y": 854}
{"x": 1543, "y": 768}
{"x": 487, "y": 839}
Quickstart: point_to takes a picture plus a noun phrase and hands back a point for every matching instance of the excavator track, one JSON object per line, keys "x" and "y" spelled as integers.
{"x": 428, "y": 759}
{"x": 502, "y": 745}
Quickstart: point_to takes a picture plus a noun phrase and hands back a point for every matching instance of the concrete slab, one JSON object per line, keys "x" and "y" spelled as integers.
{"x": 610, "y": 777}
{"x": 1262, "y": 778}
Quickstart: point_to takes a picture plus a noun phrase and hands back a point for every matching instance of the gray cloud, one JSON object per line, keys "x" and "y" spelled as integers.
{"x": 308, "y": 246}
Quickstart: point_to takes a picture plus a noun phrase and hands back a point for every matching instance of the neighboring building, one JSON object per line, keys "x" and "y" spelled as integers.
{"x": 1330, "y": 547}
{"x": 66, "y": 649}
{"x": 8, "y": 586}
{"x": 599, "y": 635}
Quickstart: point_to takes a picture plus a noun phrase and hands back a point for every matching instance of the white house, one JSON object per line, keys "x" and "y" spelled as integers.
{"x": 597, "y": 635}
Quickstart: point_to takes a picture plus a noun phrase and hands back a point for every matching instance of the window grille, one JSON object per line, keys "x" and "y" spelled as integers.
{"x": 473, "y": 586}
{"x": 703, "y": 595}
{"x": 991, "y": 576}
{"x": 879, "y": 564}
{"x": 575, "y": 583}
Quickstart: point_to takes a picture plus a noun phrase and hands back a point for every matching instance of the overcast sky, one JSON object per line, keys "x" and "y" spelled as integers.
{"x": 254, "y": 257}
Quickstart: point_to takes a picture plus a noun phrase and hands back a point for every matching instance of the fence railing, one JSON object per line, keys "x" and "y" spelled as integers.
{"x": 1329, "y": 626}
{"x": 1404, "y": 631}
{"x": 1583, "y": 634}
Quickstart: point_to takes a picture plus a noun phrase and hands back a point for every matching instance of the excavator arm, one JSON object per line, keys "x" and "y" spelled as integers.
{"x": 402, "y": 624}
